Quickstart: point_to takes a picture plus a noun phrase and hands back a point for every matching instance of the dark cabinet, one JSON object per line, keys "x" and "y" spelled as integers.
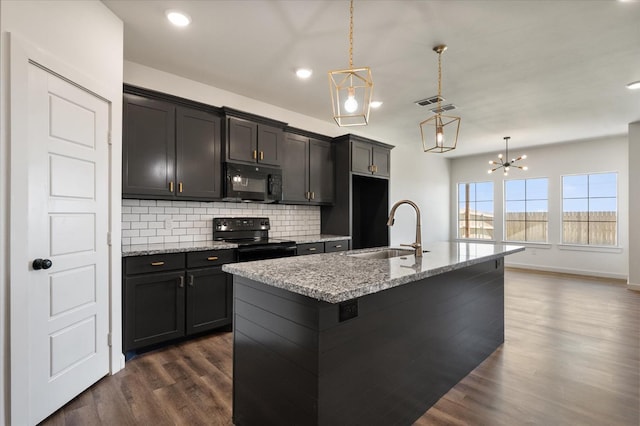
{"x": 370, "y": 159}
{"x": 333, "y": 246}
{"x": 170, "y": 151}
{"x": 310, "y": 248}
{"x": 250, "y": 142}
{"x": 174, "y": 295}
{"x": 307, "y": 170}
{"x": 323, "y": 247}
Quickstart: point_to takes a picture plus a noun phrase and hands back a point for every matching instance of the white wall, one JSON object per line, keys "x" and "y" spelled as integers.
{"x": 423, "y": 178}
{"x": 634, "y": 205}
{"x": 554, "y": 161}
{"x": 87, "y": 38}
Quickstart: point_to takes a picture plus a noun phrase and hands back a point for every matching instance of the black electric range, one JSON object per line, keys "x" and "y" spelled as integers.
{"x": 251, "y": 234}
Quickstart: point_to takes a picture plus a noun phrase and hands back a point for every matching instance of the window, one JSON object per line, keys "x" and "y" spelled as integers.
{"x": 527, "y": 210}
{"x": 590, "y": 209}
{"x": 475, "y": 210}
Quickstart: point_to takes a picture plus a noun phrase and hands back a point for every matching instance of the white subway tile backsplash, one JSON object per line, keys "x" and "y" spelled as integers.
{"x": 163, "y": 221}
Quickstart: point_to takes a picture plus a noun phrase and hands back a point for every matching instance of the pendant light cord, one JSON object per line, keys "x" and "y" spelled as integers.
{"x": 439, "y": 79}
{"x": 351, "y": 36}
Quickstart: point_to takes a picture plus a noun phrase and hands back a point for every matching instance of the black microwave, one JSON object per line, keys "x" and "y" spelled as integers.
{"x": 252, "y": 183}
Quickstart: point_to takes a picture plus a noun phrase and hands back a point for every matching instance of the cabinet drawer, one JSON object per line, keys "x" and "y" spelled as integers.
{"x": 331, "y": 246}
{"x": 200, "y": 259}
{"x": 153, "y": 263}
{"x": 310, "y": 248}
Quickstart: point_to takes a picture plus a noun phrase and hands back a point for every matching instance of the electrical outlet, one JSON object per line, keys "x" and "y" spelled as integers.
{"x": 168, "y": 224}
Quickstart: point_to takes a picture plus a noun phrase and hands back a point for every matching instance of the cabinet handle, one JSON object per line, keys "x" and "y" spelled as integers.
{"x": 190, "y": 280}
{"x": 180, "y": 187}
{"x": 255, "y": 154}
{"x": 181, "y": 282}
{"x": 312, "y": 249}
{"x": 171, "y": 186}
{"x": 338, "y": 246}
{"x": 212, "y": 258}
{"x": 313, "y": 195}
{"x": 261, "y": 155}
{"x": 157, "y": 263}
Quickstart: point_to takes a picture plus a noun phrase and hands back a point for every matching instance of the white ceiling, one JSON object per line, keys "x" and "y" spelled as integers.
{"x": 538, "y": 71}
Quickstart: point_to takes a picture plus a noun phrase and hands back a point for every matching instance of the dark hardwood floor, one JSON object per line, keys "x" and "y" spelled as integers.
{"x": 571, "y": 357}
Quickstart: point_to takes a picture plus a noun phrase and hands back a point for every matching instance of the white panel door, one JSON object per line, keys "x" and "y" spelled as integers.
{"x": 67, "y": 225}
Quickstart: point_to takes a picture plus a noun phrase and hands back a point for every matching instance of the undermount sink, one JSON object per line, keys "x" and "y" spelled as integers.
{"x": 383, "y": 254}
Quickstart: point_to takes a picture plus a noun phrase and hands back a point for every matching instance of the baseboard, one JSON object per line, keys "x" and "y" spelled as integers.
{"x": 571, "y": 271}
{"x": 634, "y": 287}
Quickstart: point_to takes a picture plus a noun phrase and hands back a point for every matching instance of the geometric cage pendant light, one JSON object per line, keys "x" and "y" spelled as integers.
{"x": 351, "y": 90}
{"x": 440, "y": 132}
{"x": 504, "y": 162}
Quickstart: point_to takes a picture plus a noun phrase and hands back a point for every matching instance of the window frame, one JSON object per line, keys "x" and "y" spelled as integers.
{"x": 493, "y": 201}
{"x": 505, "y": 212}
{"x": 586, "y": 247}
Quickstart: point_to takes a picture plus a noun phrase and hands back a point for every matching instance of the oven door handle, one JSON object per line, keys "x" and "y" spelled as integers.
{"x": 255, "y": 249}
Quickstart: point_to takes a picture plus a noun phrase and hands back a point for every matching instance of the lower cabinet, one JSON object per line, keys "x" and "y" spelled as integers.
{"x": 165, "y": 298}
{"x": 326, "y": 247}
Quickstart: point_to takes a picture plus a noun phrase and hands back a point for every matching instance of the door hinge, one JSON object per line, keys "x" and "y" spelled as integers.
{"x": 109, "y": 141}
{"x": 109, "y": 238}
{"x": 109, "y": 339}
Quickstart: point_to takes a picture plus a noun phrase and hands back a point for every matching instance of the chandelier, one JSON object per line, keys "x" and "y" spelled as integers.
{"x": 440, "y": 132}
{"x": 351, "y": 89}
{"x": 501, "y": 163}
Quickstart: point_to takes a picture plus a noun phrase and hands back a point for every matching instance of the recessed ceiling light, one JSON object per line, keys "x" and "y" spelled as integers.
{"x": 179, "y": 19}
{"x": 634, "y": 85}
{"x": 303, "y": 73}
{"x": 375, "y": 104}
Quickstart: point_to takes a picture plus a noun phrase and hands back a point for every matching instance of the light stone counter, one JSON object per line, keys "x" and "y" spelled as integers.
{"x": 337, "y": 277}
{"x": 161, "y": 248}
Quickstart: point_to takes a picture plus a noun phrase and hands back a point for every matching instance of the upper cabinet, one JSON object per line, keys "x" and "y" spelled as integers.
{"x": 253, "y": 139}
{"x": 307, "y": 170}
{"x": 170, "y": 150}
{"x": 370, "y": 158}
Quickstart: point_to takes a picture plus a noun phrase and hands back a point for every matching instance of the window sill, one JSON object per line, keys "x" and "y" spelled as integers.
{"x": 529, "y": 244}
{"x": 474, "y": 240}
{"x": 596, "y": 249}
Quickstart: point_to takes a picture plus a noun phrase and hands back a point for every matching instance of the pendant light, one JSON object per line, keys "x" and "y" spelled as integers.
{"x": 440, "y": 132}
{"x": 351, "y": 89}
{"x": 501, "y": 163}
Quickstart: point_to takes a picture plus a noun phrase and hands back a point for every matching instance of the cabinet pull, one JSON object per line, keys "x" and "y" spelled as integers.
{"x": 190, "y": 280}
{"x": 171, "y": 186}
{"x": 313, "y": 195}
{"x": 261, "y": 155}
{"x": 312, "y": 249}
{"x": 157, "y": 263}
{"x": 180, "y": 187}
{"x": 255, "y": 154}
{"x": 181, "y": 282}
{"x": 212, "y": 258}
{"x": 338, "y": 246}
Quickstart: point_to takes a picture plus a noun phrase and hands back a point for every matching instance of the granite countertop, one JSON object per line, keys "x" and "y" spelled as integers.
{"x": 336, "y": 277}
{"x": 162, "y": 248}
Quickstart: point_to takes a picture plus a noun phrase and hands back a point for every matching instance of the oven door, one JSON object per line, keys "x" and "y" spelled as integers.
{"x": 267, "y": 251}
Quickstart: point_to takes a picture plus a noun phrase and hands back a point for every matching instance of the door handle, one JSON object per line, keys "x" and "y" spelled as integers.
{"x": 312, "y": 249}
{"x": 171, "y": 186}
{"x": 180, "y": 187}
{"x": 255, "y": 154}
{"x": 212, "y": 258}
{"x": 41, "y": 264}
{"x": 157, "y": 263}
{"x": 181, "y": 282}
{"x": 190, "y": 280}
{"x": 261, "y": 155}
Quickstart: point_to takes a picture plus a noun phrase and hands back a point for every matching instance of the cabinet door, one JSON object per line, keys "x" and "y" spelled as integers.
{"x": 209, "y": 299}
{"x": 198, "y": 165}
{"x": 269, "y": 142}
{"x": 242, "y": 140}
{"x": 153, "y": 309}
{"x": 148, "y": 150}
{"x": 361, "y": 157}
{"x": 321, "y": 171}
{"x": 381, "y": 161}
{"x": 295, "y": 168}
{"x": 333, "y": 246}
{"x": 310, "y": 248}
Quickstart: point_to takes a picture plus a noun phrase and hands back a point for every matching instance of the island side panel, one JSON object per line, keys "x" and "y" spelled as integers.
{"x": 275, "y": 356}
{"x": 408, "y": 346}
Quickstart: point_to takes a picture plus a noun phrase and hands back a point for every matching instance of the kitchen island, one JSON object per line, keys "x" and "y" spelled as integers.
{"x": 333, "y": 338}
